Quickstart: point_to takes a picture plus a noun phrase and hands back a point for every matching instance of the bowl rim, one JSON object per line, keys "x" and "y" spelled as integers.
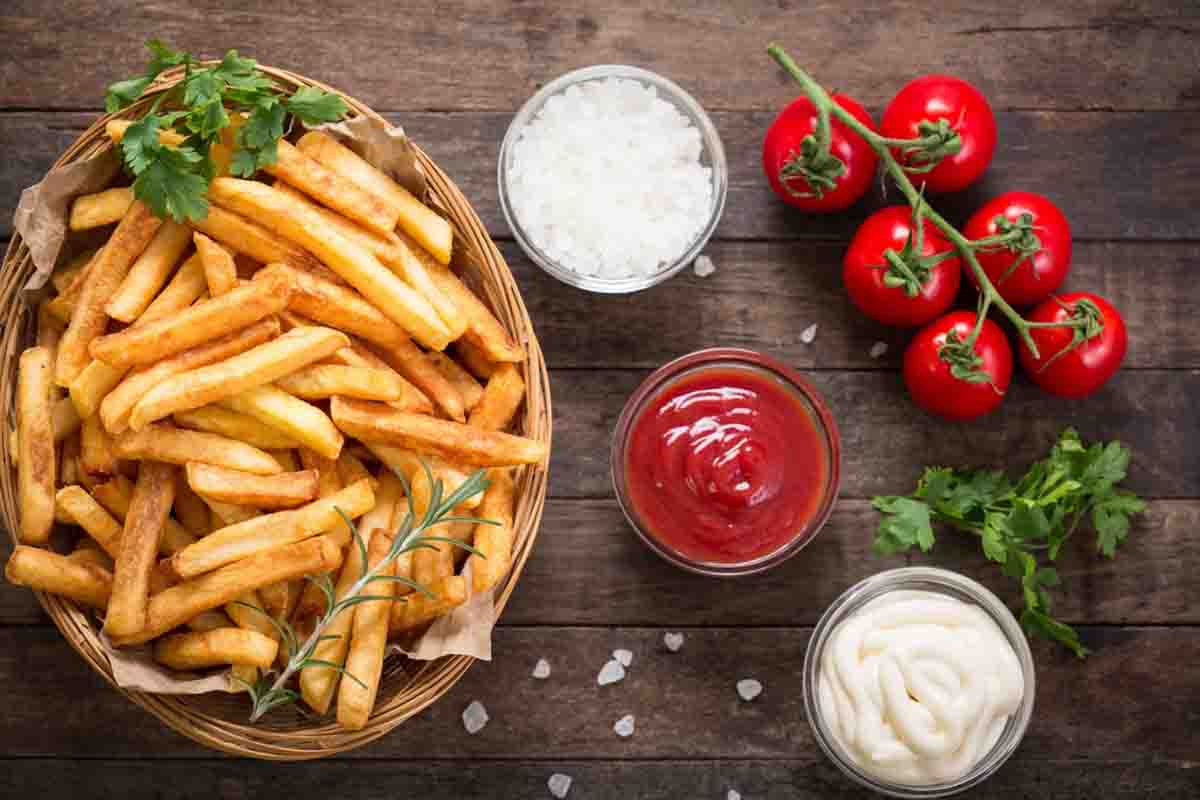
{"x": 713, "y": 146}
{"x": 191, "y": 715}
{"x": 715, "y": 357}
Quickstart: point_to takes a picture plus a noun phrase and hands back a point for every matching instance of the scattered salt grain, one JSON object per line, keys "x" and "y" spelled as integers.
{"x": 808, "y": 334}
{"x": 748, "y": 689}
{"x": 607, "y": 180}
{"x": 475, "y": 717}
{"x": 703, "y": 266}
{"x": 541, "y": 670}
{"x": 879, "y": 349}
{"x": 612, "y": 672}
{"x": 559, "y": 785}
{"x": 733, "y": 794}
{"x": 673, "y": 641}
{"x": 624, "y": 726}
{"x": 624, "y": 656}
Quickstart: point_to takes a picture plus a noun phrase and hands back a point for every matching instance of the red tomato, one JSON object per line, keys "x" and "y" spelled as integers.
{"x": 782, "y": 144}
{"x": 1039, "y": 274}
{"x": 937, "y": 97}
{"x": 889, "y": 229}
{"x": 928, "y": 375}
{"x": 1082, "y": 369}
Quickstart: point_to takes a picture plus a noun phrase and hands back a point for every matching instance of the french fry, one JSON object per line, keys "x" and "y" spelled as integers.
{"x": 291, "y": 416}
{"x": 248, "y": 238}
{"x": 219, "y": 270}
{"x": 374, "y": 422}
{"x": 242, "y": 427}
{"x": 115, "y": 129}
{"x": 501, "y": 398}
{"x": 410, "y": 463}
{"x": 464, "y": 382}
{"x": 173, "y": 333}
{"x": 229, "y": 513}
{"x": 334, "y": 191}
{"x": 397, "y": 255}
{"x": 287, "y": 459}
{"x": 322, "y": 381}
{"x": 190, "y": 509}
{"x": 71, "y": 273}
{"x": 338, "y": 306}
{"x": 209, "y": 621}
{"x": 410, "y": 362}
{"x": 186, "y": 286}
{"x": 285, "y": 490}
{"x": 117, "y": 406}
{"x": 431, "y": 563}
{"x": 35, "y": 454}
{"x": 92, "y": 385}
{"x": 368, "y": 642}
{"x": 45, "y": 571}
{"x": 88, "y": 551}
{"x": 62, "y": 307}
{"x": 161, "y": 441}
{"x": 101, "y": 208}
{"x": 275, "y": 599}
{"x": 82, "y": 509}
{"x": 260, "y": 365}
{"x": 418, "y": 220}
{"x": 153, "y": 496}
{"x": 202, "y": 649}
{"x": 269, "y": 531}
{"x": 329, "y": 481}
{"x": 174, "y": 606}
{"x": 418, "y": 609}
{"x": 351, "y": 469}
{"x": 249, "y": 612}
{"x": 356, "y": 265}
{"x": 117, "y": 494}
{"x": 358, "y": 355}
{"x": 494, "y": 542}
{"x": 64, "y": 418}
{"x": 149, "y": 273}
{"x": 97, "y": 456}
{"x": 312, "y": 600}
{"x": 88, "y": 320}
{"x": 49, "y": 330}
{"x": 483, "y": 329}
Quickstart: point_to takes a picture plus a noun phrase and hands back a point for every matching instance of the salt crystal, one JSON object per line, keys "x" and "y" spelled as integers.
{"x": 673, "y": 641}
{"x": 704, "y": 266}
{"x": 878, "y": 349}
{"x": 624, "y": 726}
{"x": 748, "y": 689}
{"x": 808, "y": 334}
{"x": 559, "y": 785}
{"x": 541, "y": 670}
{"x": 733, "y": 794}
{"x": 624, "y": 656}
{"x": 612, "y": 672}
{"x": 607, "y": 179}
{"x": 475, "y": 717}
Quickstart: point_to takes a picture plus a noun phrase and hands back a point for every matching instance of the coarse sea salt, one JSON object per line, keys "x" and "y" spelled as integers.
{"x": 607, "y": 180}
{"x": 611, "y": 672}
{"x": 474, "y": 717}
{"x": 673, "y": 641}
{"x": 624, "y": 726}
{"x": 748, "y": 689}
{"x": 559, "y": 785}
{"x": 733, "y": 794}
{"x": 541, "y": 670}
{"x": 624, "y": 656}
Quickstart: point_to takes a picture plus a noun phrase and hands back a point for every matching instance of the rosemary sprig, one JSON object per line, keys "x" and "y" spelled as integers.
{"x": 271, "y": 691}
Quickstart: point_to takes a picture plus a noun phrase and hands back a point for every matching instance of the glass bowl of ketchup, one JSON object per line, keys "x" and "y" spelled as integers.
{"x": 725, "y": 462}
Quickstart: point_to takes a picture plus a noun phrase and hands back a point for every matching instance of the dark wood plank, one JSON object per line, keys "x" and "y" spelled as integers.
{"x": 591, "y": 780}
{"x": 1122, "y": 703}
{"x": 886, "y": 440}
{"x": 489, "y": 55}
{"x": 1081, "y": 160}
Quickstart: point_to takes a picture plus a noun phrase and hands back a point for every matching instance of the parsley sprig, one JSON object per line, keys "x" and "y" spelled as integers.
{"x": 1017, "y": 523}
{"x": 173, "y": 179}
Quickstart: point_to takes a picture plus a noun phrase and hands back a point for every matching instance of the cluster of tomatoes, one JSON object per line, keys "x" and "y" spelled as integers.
{"x": 902, "y": 276}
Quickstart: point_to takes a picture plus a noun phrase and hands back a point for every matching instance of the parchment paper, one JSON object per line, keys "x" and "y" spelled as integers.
{"x": 41, "y": 220}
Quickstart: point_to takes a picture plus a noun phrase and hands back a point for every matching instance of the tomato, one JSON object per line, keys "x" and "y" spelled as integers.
{"x": 927, "y": 373}
{"x": 1086, "y": 367}
{"x": 1039, "y": 273}
{"x": 941, "y": 97}
{"x": 783, "y": 143}
{"x": 865, "y": 271}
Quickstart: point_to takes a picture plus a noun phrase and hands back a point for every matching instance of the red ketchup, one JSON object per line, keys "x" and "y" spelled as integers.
{"x": 727, "y": 465}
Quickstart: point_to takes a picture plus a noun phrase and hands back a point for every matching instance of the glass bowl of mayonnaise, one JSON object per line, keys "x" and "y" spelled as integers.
{"x": 918, "y": 683}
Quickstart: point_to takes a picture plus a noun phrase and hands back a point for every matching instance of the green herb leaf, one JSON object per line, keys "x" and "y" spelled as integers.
{"x": 906, "y": 524}
{"x": 313, "y": 106}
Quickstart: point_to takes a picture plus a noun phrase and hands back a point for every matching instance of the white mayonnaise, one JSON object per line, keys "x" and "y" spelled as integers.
{"x": 917, "y": 686}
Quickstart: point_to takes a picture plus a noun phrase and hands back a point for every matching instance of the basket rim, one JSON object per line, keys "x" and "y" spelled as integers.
{"x": 430, "y": 679}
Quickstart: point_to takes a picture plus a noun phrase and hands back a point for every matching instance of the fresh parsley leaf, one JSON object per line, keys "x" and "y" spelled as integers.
{"x": 906, "y": 524}
{"x": 1110, "y": 517}
{"x": 170, "y": 186}
{"x": 312, "y": 106}
{"x": 1039, "y": 624}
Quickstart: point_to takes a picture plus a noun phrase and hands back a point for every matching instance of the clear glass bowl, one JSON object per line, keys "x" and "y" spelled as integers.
{"x": 712, "y": 155}
{"x": 928, "y": 579}
{"x": 724, "y": 358}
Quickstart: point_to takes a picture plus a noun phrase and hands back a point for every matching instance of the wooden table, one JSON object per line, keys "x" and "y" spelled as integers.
{"x": 1098, "y": 107}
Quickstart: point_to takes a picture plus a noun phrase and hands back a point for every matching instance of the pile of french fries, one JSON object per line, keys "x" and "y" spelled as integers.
{"x": 204, "y": 401}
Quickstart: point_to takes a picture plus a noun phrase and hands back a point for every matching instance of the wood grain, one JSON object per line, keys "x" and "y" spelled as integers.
{"x": 473, "y": 55}
{"x": 887, "y": 441}
{"x": 792, "y": 779}
{"x": 1120, "y": 704}
{"x": 1085, "y": 162}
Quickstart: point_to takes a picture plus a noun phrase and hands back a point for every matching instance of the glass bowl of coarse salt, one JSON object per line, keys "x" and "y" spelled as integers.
{"x": 612, "y": 178}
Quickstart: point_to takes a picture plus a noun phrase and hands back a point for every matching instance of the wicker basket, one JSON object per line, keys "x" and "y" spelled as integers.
{"x": 219, "y": 720}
